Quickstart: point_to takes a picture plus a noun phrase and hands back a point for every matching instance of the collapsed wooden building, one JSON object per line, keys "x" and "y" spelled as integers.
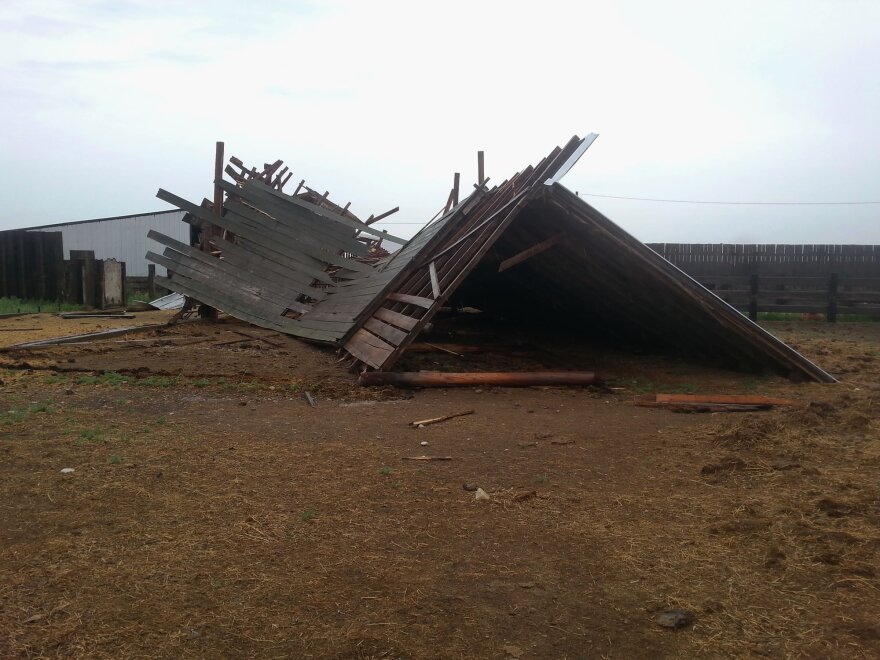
{"x": 527, "y": 249}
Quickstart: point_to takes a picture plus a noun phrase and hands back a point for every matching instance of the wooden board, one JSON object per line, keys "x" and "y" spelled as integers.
{"x": 385, "y": 331}
{"x": 395, "y": 318}
{"x": 368, "y": 348}
{"x": 411, "y": 300}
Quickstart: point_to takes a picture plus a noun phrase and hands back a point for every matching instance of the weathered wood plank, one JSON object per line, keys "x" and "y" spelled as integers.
{"x": 368, "y": 348}
{"x": 395, "y": 318}
{"x": 435, "y": 284}
{"x": 237, "y": 225}
{"x": 219, "y": 300}
{"x": 234, "y": 269}
{"x": 530, "y": 252}
{"x": 385, "y": 331}
{"x": 216, "y": 279}
{"x": 411, "y": 300}
{"x": 281, "y": 222}
{"x": 239, "y": 256}
{"x": 330, "y": 215}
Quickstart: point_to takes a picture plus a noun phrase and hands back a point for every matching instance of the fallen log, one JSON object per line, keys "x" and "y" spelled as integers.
{"x": 501, "y": 379}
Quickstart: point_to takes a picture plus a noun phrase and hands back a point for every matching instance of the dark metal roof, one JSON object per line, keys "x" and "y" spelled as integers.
{"x": 112, "y": 217}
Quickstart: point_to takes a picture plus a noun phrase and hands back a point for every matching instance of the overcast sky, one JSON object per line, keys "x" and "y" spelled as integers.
{"x": 380, "y": 102}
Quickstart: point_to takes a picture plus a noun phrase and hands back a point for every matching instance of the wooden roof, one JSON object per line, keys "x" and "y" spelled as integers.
{"x": 298, "y": 267}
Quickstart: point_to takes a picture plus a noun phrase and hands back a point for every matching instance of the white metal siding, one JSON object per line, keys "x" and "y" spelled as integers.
{"x": 123, "y": 239}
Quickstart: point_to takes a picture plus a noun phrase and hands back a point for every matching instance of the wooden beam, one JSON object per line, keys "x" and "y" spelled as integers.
{"x": 411, "y": 300}
{"x": 435, "y": 283}
{"x": 372, "y": 219}
{"x": 480, "y": 170}
{"x": 469, "y": 379}
{"x": 530, "y": 252}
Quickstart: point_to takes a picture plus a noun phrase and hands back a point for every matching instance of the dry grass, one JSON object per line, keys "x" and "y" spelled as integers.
{"x": 270, "y": 529}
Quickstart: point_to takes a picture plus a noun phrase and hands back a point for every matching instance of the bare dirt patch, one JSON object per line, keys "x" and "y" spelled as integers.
{"x": 213, "y": 513}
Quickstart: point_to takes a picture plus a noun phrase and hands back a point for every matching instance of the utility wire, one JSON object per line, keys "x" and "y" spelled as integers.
{"x": 689, "y": 201}
{"x": 693, "y": 201}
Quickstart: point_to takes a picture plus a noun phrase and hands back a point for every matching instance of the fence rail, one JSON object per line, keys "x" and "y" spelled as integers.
{"x": 831, "y": 296}
{"x": 801, "y": 279}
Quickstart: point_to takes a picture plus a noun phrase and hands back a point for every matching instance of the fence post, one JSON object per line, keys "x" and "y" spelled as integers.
{"x": 831, "y": 312}
{"x": 151, "y": 280}
{"x": 753, "y": 296}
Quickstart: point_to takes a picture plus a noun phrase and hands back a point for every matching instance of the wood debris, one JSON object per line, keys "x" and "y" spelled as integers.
{"x": 712, "y": 402}
{"x": 307, "y": 267}
{"x": 437, "y": 420}
{"x": 427, "y": 458}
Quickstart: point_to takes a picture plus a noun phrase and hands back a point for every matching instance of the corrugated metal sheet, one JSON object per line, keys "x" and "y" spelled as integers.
{"x": 122, "y": 238}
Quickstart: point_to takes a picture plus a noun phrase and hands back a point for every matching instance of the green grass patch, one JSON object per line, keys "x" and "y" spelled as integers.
{"x": 385, "y": 471}
{"x": 90, "y": 435}
{"x": 308, "y": 515}
{"x": 13, "y": 416}
{"x": 17, "y": 415}
{"x": 115, "y": 460}
{"x": 140, "y": 296}
{"x": 20, "y": 306}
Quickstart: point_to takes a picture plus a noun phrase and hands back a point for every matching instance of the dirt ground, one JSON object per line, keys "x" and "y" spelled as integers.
{"x": 213, "y": 513}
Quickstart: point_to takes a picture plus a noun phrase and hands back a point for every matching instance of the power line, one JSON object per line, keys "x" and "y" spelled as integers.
{"x": 689, "y": 201}
{"x": 694, "y": 201}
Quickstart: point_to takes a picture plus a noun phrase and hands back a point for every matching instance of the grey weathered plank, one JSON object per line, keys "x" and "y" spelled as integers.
{"x": 368, "y": 348}
{"x": 317, "y": 210}
{"x": 237, "y": 269}
{"x": 217, "y": 279}
{"x": 385, "y": 331}
{"x": 411, "y": 300}
{"x": 295, "y": 231}
{"x": 395, "y": 318}
{"x": 247, "y": 259}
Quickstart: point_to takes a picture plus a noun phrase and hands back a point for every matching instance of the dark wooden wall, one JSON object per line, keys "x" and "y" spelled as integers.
{"x": 772, "y": 260}
{"x": 31, "y": 265}
{"x": 820, "y": 279}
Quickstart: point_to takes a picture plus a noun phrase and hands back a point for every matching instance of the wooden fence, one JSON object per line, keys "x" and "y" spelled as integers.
{"x": 31, "y": 265}
{"x": 810, "y": 279}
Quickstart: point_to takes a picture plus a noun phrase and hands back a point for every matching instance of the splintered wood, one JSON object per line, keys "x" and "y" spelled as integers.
{"x": 437, "y": 420}
{"x": 712, "y": 402}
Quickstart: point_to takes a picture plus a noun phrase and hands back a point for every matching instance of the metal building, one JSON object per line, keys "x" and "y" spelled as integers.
{"x": 123, "y": 238}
